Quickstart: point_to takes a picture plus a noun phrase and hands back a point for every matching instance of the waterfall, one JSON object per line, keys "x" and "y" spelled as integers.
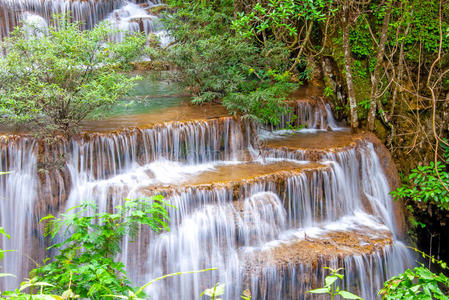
{"x": 123, "y": 16}
{"x": 136, "y": 18}
{"x": 312, "y": 113}
{"x": 268, "y": 207}
{"x": 18, "y": 194}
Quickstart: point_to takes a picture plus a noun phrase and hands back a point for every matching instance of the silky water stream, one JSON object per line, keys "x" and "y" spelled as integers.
{"x": 123, "y": 16}
{"x": 268, "y": 207}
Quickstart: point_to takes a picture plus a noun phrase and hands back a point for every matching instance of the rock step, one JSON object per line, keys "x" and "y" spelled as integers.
{"x": 368, "y": 258}
{"x": 280, "y": 263}
{"x": 310, "y": 193}
{"x": 234, "y": 174}
{"x": 310, "y": 145}
{"x": 314, "y": 140}
{"x": 328, "y": 245}
{"x": 181, "y": 112}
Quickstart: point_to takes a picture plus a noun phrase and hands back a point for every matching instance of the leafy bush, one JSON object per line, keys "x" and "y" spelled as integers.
{"x": 54, "y": 79}
{"x": 425, "y": 185}
{"x": 86, "y": 266}
{"x": 281, "y": 18}
{"x": 86, "y": 259}
{"x": 217, "y": 65}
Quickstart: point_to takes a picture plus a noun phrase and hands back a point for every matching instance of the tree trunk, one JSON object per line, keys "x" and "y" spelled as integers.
{"x": 348, "y": 65}
{"x": 303, "y": 46}
{"x": 379, "y": 59}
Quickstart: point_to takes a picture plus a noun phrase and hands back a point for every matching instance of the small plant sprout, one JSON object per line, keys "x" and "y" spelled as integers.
{"x": 332, "y": 288}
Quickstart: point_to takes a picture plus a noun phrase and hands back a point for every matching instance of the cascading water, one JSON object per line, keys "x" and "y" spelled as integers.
{"x": 136, "y": 18}
{"x": 269, "y": 212}
{"x": 12, "y": 12}
{"x": 18, "y": 194}
{"x": 123, "y": 16}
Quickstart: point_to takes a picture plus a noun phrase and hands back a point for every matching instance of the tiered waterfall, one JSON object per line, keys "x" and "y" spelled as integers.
{"x": 268, "y": 207}
{"x": 122, "y": 15}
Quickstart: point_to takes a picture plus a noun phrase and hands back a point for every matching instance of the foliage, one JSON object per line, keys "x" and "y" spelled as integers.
{"x": 279, "y": 17}
{"x": 361, "y": 41}
{"x": 263, "y": 104}
{"x": 331, "y": 287}
{"x": 423, "y": 18}
{"x": 419, "y": 283}
{"x": 86, "y": 258}
{"x": 217, "y": 65}
{"x": 425, "y": 185}
{"x": 53, "y": 79}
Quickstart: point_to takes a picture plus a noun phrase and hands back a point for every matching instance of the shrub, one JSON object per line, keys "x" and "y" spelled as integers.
{"x": 86, "y": 261}
{"x": 52, "y": 80}
{"x": 217, "y": 65}
{"x": 425, "y": 186}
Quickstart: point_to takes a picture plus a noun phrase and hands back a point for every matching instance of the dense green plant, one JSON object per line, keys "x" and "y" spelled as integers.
{"x": 361, "y": 40}
{"x": 423, "y": 18}
{"x": 287, "y": 22}
{"x": 86, "y": 259}
{"x": 424, "y": 185}
{"x": 39, "y": 289}
{"x": 280, "y": 19}
{"x": 54, "y": 79}
{"x": 216, "y": 65}
{"x": 418, "y": 283}
{"x": 331, "y": 288}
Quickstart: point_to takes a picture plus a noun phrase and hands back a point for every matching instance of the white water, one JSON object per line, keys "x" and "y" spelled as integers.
{"x": 18, "y": 195}
{"x": 123, "y": 16}
{"x": 309, "y": 115}
{"x": 225, "y": 224}
{"x": 134, "y": 18}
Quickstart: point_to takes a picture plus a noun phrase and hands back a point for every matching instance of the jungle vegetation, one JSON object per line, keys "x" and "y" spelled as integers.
{"x": 383, "y": 64}
{"x": 53, "y": 79}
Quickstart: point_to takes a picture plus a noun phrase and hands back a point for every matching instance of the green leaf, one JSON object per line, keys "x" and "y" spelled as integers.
{"x": 31, "y": 284}
{"x": 48, "y": 217}
{"x": 217, "y": 290}
{"x": 415, "y": 288}
{"x": 320, "y": 291}
{"x": 348, "y": 295}
{"x": 2, "y": 232}
{"x": 329, "y": 280}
